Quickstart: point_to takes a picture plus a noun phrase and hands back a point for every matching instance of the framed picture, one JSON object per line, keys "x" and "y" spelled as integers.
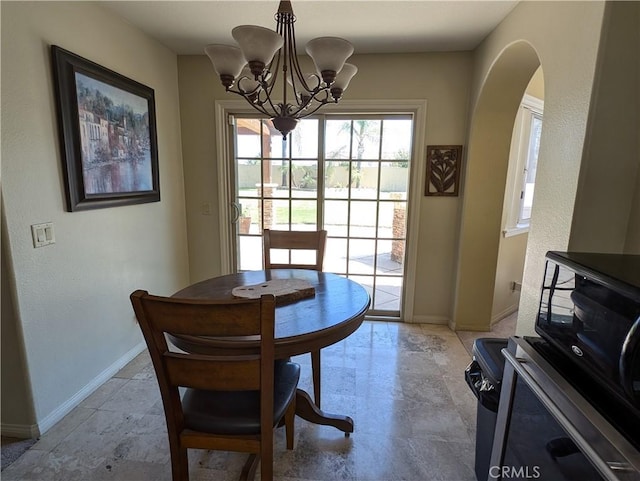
{"x": 443, "y": 169}
{"x": 107, "y": 126}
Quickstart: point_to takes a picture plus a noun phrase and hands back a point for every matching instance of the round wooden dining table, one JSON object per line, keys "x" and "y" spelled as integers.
{"x": 333, "y": 312}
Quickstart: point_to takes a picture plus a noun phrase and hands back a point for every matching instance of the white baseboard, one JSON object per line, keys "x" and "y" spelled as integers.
{"x": 21, "y": 431}
{"x": 48, "y": 422}
{"x": 429, "y": 320}
{"x": 506, "y": 312}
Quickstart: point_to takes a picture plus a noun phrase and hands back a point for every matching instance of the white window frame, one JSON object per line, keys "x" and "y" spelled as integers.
{"x": 530, "y": 107}
{"x": 224, "y": 108}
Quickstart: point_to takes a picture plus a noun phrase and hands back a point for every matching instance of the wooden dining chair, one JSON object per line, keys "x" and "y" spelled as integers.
{"x": 298, "y": 240}
{"x": 294, "y": 240}
{"x": 232, "y": 402}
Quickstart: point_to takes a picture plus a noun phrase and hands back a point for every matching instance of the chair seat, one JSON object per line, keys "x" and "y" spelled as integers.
{"x": 237, "y": 412}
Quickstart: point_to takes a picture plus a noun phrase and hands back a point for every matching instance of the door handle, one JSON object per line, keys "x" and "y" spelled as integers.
{"x": 236, "y": 212}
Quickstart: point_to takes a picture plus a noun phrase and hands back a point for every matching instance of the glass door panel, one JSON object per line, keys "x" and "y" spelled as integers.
{"x": 396, "y": 140}
{"x": 336, "y": 218}
{"x": 368, "y": 170}
{"x": 348, "y": 175}
{"x": 337, "y": 262}
{"x": 272, "y": 190}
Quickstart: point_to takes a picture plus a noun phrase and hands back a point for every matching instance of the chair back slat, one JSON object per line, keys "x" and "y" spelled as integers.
{"x": 219, "y": 373}
{"x": 234, "y": 317}
{"x": 294, "y": 240}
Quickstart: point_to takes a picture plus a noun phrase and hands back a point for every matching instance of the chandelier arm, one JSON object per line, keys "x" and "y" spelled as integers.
{"x": 324, "y": 100}
{"x": 308, "y": 99}
{"x": 245, "y": 93}
{"x": 257, "y": 106}
{"x": 319, "y": 102}
{"x": 297, "y": 79}
{"x": 267, "y": 85}
{"x": 308, "y": 113}
{"x": 286, "y": 21}
{"x": 318, "y": 84}
{"x": 275, "y": 69}
{"x": 295, "y": 65}
{"x": 277, "y": 111}
{"x": 286, "y": 60}
{"x": 298, "y": 115}
{"x": 272, "y": 72}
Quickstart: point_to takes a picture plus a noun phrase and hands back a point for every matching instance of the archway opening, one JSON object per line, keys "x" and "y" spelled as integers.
{"x": 485, "y": 181}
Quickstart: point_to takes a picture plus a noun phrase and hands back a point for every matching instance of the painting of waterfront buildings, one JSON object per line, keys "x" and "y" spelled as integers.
{"x": 114, "y": 138}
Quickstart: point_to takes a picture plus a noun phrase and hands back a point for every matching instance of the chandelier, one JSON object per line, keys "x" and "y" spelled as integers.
{"x": 252, "y": 69}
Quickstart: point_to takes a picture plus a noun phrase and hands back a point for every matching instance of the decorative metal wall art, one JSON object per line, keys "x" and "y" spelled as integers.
{"x": 443, "y": 170}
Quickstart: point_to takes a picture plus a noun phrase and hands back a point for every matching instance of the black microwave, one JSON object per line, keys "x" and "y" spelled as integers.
{"x": 590, "y": 311}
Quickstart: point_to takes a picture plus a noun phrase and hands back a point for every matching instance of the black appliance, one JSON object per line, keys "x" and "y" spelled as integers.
{"x": 547, "y": 430}
{"x": 590, "y": 311}
{"x": 570, "y": 400}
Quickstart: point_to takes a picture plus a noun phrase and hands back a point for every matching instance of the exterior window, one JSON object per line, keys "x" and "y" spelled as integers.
{"x": 529, "y": 177}
{"x": 523, "y": 163}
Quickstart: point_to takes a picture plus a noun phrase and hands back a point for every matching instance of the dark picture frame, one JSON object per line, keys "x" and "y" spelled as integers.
{"x": 443, "y": 170}
{"x": 107, "y": 126}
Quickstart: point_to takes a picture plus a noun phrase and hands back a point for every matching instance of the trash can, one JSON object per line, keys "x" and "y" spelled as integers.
{"x": 484, "y": 377}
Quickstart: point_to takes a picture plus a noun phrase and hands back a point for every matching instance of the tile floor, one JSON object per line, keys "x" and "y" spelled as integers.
{"x": 403, "y": 384}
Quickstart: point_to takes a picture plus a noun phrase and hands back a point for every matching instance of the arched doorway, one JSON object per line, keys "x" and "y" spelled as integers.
{"x": 485, "y": 179}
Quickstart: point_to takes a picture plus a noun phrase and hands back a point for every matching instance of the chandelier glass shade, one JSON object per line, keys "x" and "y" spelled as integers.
{"x": 263, "y": 56}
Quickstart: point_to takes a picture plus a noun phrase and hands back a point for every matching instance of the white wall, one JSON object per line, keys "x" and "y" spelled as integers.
{"x": 72, "y": 302}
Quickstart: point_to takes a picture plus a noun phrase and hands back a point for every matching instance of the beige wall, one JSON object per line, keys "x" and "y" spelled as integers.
{"x": 485, "y": 185}
{"x": 198, "y": 90}
{"x": 17, "y": 406}
{"x": 510, "y": 267}
{"x": 72, "y": 304}
{"x": 604, "y": 212}
{"x": 633, "y": 233}
{"x": 536, "y": 85}
{"x": 565, "y": 38}
{"x": 632, "y": 245}
{"x": 441, "y": 79}
{"x": 512, "y": 250}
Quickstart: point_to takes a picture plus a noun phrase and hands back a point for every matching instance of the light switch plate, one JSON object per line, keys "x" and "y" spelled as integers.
{"x": 43, "y": 234}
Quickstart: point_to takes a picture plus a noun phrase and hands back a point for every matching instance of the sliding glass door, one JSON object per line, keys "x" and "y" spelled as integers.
{"x": 346, "y": 174}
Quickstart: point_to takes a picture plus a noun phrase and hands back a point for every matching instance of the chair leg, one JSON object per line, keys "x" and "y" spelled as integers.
{"x": 250, "y": 467}
{"x": 315, "y": 368}
{"x": 289, "y": 422}
{"x": 179, "y": 463}
{"x": 266, "y": 462}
